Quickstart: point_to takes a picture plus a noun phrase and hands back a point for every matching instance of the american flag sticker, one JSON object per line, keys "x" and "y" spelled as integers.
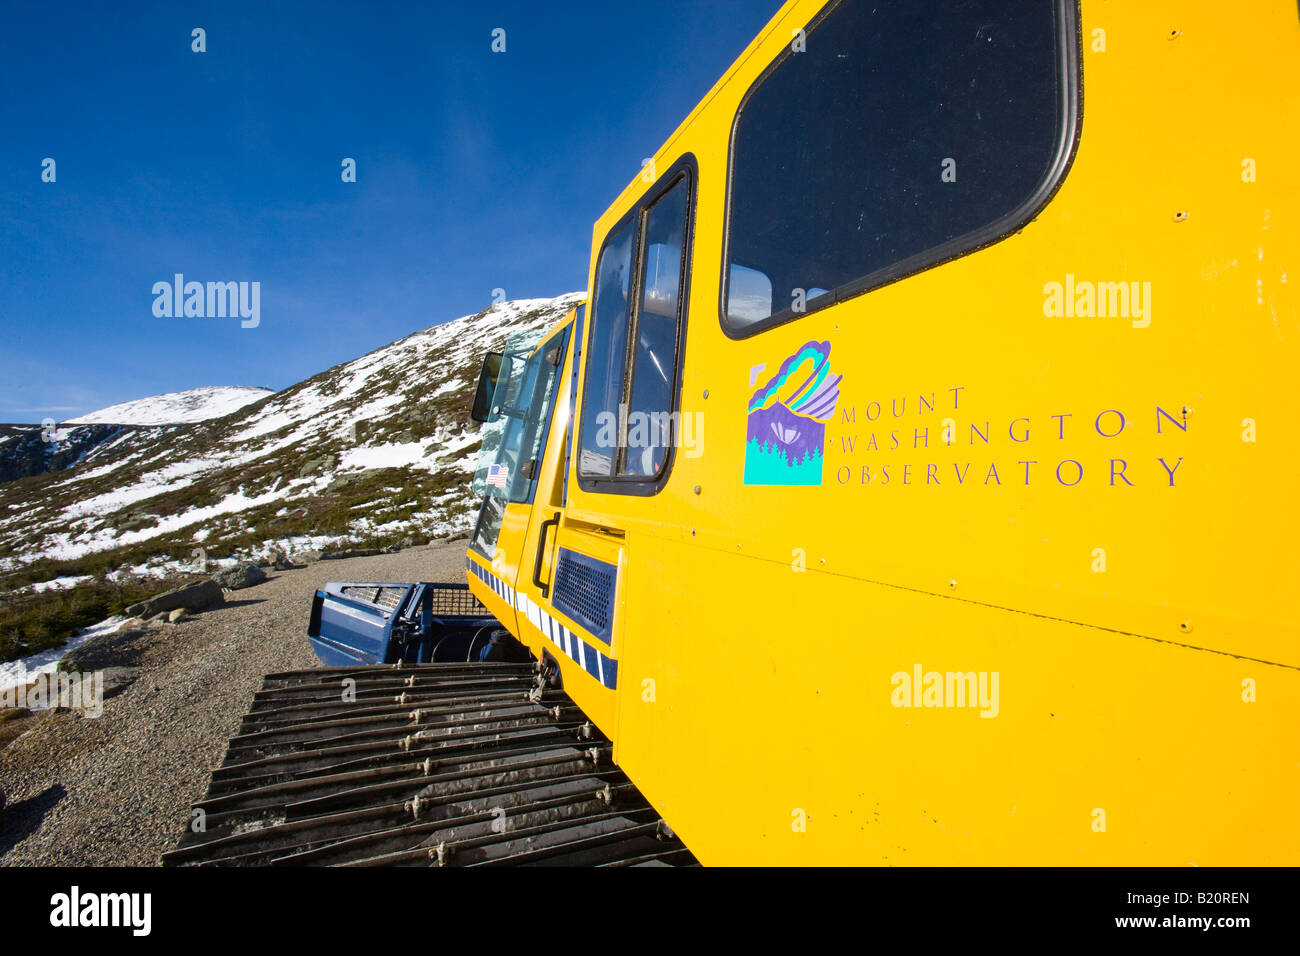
{"x": 497, "y": 476}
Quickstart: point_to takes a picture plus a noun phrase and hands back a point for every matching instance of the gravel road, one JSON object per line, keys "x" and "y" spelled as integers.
{"x": 116, "y": 790}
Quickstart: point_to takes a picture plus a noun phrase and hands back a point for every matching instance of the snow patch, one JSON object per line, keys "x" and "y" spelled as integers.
{"x": 25, "y": 669}
{"x": 176, "y": 408}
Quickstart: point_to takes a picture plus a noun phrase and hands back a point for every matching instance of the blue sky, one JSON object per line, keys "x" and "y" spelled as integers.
{"x": 475, "y": 171}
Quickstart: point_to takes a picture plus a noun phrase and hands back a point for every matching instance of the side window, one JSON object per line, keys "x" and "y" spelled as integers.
{"x": 654, "y": 367}
{"x": 514, "y": 438}
{"x": 632, "y": 366}
{"x": 539, "y": 390}
{"x": 607, "y": 357}
{"x": 904, "y": 134}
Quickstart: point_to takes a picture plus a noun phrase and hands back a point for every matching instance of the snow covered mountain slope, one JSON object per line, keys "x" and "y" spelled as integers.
{"x": 27, "y": 450}
{"x": 372, "y": 451}
{"x": 176, "y": 408}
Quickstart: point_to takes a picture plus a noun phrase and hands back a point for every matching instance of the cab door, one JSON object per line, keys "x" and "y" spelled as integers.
{"x": 511, "y": 467}
{"x": 618, "y": 450}
{"x": 543, "y": 591}
{"x": 554, "y": 597}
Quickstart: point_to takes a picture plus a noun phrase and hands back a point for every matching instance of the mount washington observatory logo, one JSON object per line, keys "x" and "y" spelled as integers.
{"x": 786, "y": 432}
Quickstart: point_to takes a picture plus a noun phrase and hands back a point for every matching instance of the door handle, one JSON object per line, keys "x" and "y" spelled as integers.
{"x": 541, "y": 551}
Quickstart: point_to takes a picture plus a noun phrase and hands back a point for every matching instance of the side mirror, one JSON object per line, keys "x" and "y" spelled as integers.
{"x": 487, "y": 385}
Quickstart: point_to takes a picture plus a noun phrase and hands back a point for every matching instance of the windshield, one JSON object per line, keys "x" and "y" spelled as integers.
{"x": 515, "y": 431}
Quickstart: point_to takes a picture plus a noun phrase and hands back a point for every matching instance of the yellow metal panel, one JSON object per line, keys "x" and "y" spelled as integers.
{"x": 774, "y": 739}
{"x": 1131, "y": 588}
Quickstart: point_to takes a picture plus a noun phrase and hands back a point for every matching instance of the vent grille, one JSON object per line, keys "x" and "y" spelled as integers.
{"x": 385, "y": 597}
{"x": 584, "y": 590}
{"x": 455, "y": 600}
{"x": 446, "y": 600}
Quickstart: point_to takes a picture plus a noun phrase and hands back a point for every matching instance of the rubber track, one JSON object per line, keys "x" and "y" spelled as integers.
{"x": 420, "y": 765}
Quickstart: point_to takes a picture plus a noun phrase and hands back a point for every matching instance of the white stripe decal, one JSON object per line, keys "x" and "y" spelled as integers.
{"x": 568, "y": 641}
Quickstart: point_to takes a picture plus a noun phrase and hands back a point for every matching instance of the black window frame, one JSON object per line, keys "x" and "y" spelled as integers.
{"x": 684, "y": 168}
{"x": 1070, "y": 97}
{"x": 579, "y": 339}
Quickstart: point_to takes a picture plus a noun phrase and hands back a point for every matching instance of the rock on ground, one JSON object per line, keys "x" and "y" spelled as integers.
{"x": 193, "y": 597}
{"x": 243, "y": 575}
{"x": 280, "y": 561}
{"x": 120, "y": 648}
{"x": 350, "y": 553}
